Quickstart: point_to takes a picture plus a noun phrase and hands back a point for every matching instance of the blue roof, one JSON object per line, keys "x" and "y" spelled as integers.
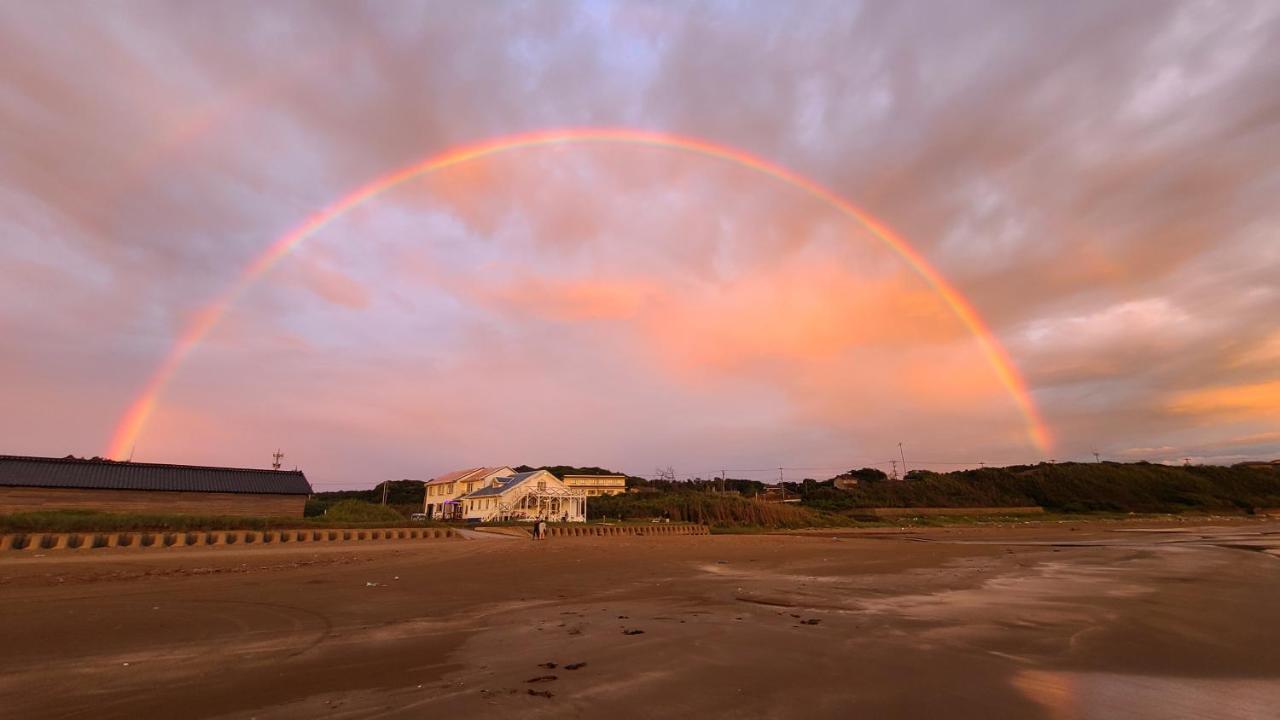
{"x": 503, "y": 484}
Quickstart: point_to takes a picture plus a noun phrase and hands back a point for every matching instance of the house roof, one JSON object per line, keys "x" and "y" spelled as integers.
{"x": 503, "y": 484}
{"x": 99, "y": 474}
{"x": 468, "y": 474}
{"x": 453, "y": 476}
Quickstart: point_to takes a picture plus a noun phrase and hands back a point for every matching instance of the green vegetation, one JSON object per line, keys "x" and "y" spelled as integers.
{"x": 92, "y": 521}
{"x": 1067, "y": 487}
{"x": 357, "y": 511}
{"x": 705, "y": 508}
{"x": 405, "y": 495}
{"x": 1064, "y": 489}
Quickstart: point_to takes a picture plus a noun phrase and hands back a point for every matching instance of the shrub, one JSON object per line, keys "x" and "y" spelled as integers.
{"x": 704, "y": 508}
{"x": 359, "y": 511}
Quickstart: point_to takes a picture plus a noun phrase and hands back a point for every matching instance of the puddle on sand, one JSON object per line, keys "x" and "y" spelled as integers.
{"x": 1099, "y": 696}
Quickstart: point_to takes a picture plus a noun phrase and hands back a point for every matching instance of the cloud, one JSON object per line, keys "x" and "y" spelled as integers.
{"x": 1098, "y": 179}
{"x": 1234, "y": 401}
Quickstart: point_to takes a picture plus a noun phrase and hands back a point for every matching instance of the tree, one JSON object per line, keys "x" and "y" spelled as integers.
{"x": 866, "y": 474}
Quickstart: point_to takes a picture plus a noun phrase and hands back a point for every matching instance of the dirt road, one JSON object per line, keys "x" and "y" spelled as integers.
{"x": 1053, "y": 621}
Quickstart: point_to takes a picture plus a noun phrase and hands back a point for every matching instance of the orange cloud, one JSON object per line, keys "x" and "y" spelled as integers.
{"x": 1238, "y": 401}
{"x": 571, "y": 299}
{"x": 796, "y": 312}
{"x": 1266, "y": 352}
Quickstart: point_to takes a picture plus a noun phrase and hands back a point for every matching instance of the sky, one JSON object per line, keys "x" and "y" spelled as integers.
{"x": 1097, "y": 179}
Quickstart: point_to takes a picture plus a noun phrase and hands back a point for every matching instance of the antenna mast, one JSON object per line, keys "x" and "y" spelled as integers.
{"x": 277, "y": 455}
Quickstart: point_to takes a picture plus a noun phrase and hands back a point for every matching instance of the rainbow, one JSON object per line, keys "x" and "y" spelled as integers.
{"x": 134, "y": 419}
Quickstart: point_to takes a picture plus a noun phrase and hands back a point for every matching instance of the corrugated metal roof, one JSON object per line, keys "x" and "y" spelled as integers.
{"x": 97, "y": 474}
{"x": 503, "y": 485}
{"x": 455, "y": 476}
{"x": 466, "y": 475}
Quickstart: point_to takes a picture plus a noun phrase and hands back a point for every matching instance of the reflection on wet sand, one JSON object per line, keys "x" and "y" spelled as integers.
{"x": 1109, "y": 696}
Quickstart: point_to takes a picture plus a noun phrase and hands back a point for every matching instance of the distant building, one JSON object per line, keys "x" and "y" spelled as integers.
{"x": 845, "y": 482}
{"x": 597, "y": 484}
{"x": 29, "y": 484}
{"x": 778, "y": 493}
{"x": 532, "y": 495}
{"x": 442, "y": 493}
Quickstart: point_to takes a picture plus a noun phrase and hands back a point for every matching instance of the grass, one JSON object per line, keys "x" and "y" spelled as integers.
{"x": 706, "y": 509}
{"x": 93, "y": 521}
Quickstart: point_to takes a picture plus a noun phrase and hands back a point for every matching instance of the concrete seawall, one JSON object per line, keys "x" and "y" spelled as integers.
{"x": 632, "y": 530}
{"x": 30, "y": 542}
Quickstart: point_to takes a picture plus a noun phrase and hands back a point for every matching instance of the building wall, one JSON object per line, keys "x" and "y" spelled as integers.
{"x": 435, "y": 496}
{"x": 597, "y": 484}
{"x": 27, "y": 499}
{"x": 490, "y": 507}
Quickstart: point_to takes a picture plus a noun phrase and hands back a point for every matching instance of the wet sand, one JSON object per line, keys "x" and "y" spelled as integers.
{"x": 1051, "y": 621}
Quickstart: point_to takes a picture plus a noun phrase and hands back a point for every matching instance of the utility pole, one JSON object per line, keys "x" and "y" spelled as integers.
{"x": 385, "y": 485}
{"x": 1186, "y": 462}
{"x": 894, "y": 475}
{"x": 1096, "y": 456}
{"x": 277, "y": 455}
{"x": 904, "y": 460}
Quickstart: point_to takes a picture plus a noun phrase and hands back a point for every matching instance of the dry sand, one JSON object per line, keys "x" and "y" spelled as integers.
{"x": 1047, "y": 621}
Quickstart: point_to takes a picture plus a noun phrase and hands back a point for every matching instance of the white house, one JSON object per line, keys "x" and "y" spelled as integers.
{"x": 442, "y": 493}
{"x": 525, "y": 496}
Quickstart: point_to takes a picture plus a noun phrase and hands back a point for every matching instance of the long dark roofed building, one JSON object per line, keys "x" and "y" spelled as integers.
{"x": 29, "y": 484}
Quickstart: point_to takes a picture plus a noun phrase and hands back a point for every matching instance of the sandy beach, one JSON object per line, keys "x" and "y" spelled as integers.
{"x": 1058, "y": 621}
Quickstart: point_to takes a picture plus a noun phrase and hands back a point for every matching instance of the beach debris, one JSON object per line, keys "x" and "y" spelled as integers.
{"x": 810, "y": 621}
{"x": 547, "y": 665}
{"x": 370, "y": 583}
{"x": 542, "y": 678}
{"x": 624, "y": 617}
{"x": 632, "y": 632}
{"x": 575, "y": 666}
{"x": 539, "y": 693}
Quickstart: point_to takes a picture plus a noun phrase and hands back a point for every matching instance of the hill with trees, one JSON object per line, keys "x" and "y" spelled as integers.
{"x": 1065, "y": 487}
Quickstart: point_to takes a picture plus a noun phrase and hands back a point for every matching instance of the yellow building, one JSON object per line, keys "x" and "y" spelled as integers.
{"x": 597, "y": 484}
{"x": 442, "y": 493}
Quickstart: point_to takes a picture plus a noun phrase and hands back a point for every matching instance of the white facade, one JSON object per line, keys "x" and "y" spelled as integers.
{"x": 535, "y": 495}
{"x": 441, "y": 501}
